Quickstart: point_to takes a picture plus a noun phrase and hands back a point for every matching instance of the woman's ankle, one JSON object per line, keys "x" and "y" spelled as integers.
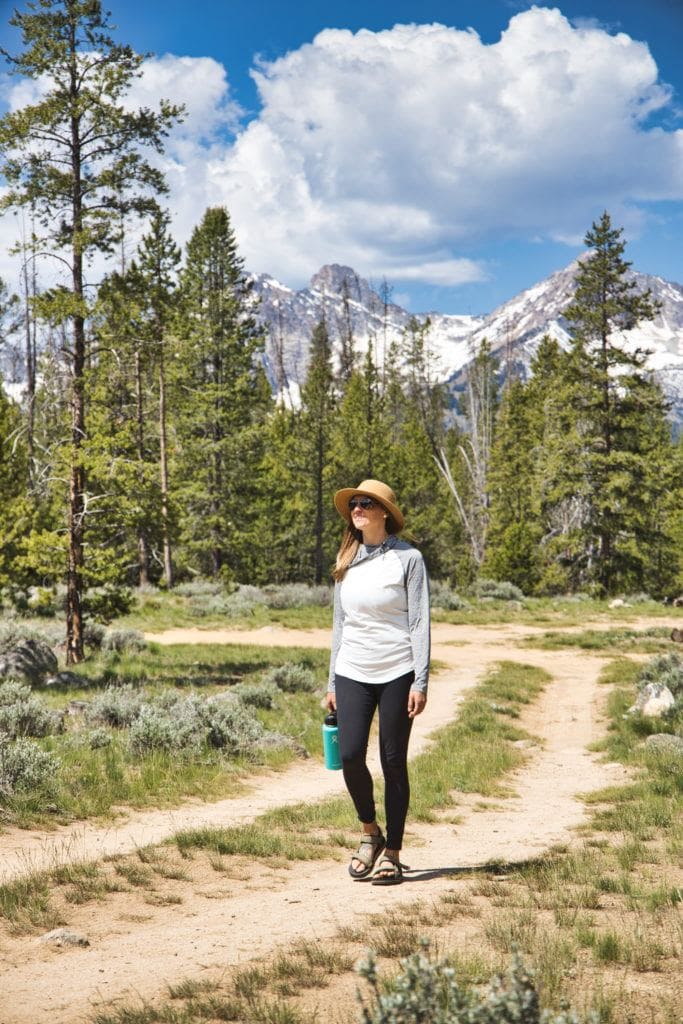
{"x": 371, "y": 829}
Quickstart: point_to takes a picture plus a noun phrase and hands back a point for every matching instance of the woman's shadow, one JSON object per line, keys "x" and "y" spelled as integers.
{"x": 489, "y": 867}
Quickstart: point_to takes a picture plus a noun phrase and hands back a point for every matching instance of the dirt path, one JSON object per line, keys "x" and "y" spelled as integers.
{"x": 223, "y": 921}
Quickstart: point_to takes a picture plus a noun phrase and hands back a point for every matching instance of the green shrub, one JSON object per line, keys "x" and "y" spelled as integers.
{"x": 24, "y": 766}
{"x": 42, "y": 601}
{"x": 93, "y": 634}
{"x": 24, "y": 714}
{"x": 497, "y": 591}
{"x": 107, "y": 602}
{"x": 200, "y": 588}
{"x": 298, "y": 595}
{"x": 12, "y": 634}
{"x": 235, "y": 605}
{"x": 427, "y": 991}
{"x": 666, "y": 669}
{"x": 258, "y": 695}
{"x": 117, "y": 705}
{"x": 194, "y": 724}
{"x": 442, "y": 596}
{"x": 99, "y": 738}
{"x": 154, "y": 729}
{"x": 292, "y": 678}
{"x": 121, "y": 640}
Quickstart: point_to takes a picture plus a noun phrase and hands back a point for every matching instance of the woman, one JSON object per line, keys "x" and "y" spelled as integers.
{"x": 380, "y": 659}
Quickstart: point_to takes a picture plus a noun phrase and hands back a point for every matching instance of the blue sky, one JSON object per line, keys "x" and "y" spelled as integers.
{"x": 460, "y": 166}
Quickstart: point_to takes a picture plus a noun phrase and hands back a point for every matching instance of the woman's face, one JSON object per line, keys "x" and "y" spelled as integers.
{"x": 366, "y": 518}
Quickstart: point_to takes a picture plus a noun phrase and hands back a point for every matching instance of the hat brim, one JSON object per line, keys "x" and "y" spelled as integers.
{"x": 341, "y": 503}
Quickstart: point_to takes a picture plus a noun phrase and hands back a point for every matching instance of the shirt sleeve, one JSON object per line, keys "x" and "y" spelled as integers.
{"x": 417, "y": 588}
{"x": 337, "y": 625}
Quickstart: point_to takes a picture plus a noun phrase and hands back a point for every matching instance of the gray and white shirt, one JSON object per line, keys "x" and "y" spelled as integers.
{"x": 381, "y": 616}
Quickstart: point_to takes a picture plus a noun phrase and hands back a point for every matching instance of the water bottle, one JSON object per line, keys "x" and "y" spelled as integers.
{"x": 331, "y": 742}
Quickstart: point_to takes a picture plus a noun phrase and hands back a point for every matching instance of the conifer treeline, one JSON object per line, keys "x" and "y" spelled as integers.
{"x": 567, "y": 481}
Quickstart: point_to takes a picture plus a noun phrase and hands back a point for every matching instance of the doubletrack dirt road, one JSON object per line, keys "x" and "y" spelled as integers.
{"x": 224, "y": 921}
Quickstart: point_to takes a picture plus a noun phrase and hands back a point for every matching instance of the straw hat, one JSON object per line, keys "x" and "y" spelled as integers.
{"x": 373, "y": 489}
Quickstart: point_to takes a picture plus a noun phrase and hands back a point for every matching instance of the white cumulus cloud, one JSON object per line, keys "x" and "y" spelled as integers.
{"x": 400, "y": 152}
{"x": 394, "y": 151}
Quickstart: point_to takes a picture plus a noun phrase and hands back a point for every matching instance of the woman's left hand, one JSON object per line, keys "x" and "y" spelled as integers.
{"x": 416, "y": 703}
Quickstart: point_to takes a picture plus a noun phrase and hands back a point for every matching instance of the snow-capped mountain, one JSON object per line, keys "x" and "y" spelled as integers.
{"x": 347, "y": 302}
{"x": 513, "y": 329}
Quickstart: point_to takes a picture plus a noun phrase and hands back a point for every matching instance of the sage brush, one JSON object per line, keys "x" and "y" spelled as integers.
{"x": 24, "y": 767}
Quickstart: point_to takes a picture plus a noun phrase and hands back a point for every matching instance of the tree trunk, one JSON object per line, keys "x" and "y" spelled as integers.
{"x": 319, "y": 507}
{"x": 76, "y": 519}
{"x": 143, "y": 543}
{"x": 163, "y": 464}
{"x": 76, "y": 515}
{"x": 30, "y": 319}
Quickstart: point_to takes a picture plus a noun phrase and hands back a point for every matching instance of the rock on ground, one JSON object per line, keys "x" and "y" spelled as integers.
{"x": 29, "y": 660}
{"x": 665, "y": 742}
{"x": 64, "y": 937}
{"x": 654, "y": 700}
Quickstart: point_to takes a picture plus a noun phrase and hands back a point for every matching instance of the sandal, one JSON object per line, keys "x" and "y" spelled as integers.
{"x": 369, "y": 849}
{"x": 389, "y": 872}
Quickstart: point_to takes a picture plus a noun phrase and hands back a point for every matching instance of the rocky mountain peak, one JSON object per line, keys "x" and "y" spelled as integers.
{"x": 337, "y": 281}
{"x": 347, "y": 302}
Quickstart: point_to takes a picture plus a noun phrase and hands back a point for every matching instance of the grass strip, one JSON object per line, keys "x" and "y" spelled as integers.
{"x": 643, "y": 641}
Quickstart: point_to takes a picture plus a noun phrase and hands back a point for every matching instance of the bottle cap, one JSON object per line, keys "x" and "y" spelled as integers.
{"x": 331, "y": 718}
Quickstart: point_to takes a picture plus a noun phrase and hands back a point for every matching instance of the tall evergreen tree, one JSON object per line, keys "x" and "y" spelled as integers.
{"x": 223, "y": 399}
{"x": 75, "y": 158}
{"x": 616, "y": 405}
{"x": 513, "y": 531}
{"x": 159, "y": 257}
{"x": 121, "y": 446}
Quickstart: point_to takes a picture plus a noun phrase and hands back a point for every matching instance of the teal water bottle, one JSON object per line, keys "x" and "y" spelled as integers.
{"x": 331, "y": 742}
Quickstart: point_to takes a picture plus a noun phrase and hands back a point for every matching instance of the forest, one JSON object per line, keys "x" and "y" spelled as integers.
{"x": 147, "y": 447}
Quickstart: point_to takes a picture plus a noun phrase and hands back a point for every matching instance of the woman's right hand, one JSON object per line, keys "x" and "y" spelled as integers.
{"x": 331, "y": 701}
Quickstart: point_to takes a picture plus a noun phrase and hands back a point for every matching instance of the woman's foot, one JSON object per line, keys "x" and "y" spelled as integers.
{"x": 364, "y": 859}
{"x": 389, "y": 870}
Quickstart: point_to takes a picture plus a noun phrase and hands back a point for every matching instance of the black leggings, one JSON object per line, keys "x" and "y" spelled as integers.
{"x": 356, "y": 703}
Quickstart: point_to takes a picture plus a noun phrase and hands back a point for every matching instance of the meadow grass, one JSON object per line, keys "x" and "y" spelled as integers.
{"x": 654, "y": 640}
{"x": 199, "y": 666}
{"x": 160, "y": 610}
{"x": 90, "y": 782}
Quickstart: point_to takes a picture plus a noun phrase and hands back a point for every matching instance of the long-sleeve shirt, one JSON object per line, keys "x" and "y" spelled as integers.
{"x": 381, "y": 616}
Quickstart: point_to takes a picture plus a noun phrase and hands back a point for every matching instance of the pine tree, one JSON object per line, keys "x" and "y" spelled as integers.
{"x": 75, "y": 159}
{"x": 513, "y": 531}
{"x": 159, "y": 257}
{"x": 615, "y": 403}
{"x": 223, "y": 400}
{"x": 121, "y": 447}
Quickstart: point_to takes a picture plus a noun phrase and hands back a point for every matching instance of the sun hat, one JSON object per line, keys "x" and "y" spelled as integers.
{"x": 373, "y": 489}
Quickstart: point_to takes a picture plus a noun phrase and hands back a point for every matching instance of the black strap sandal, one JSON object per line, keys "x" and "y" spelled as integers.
{"x": 389, "y": 872}
{"x": 369, "y": 849}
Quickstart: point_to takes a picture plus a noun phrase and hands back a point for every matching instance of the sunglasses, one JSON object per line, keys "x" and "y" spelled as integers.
{"x": 365, "y": 503}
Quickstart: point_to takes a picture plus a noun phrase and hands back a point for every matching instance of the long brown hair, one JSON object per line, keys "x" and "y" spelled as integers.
{"x": 350, "y": 542}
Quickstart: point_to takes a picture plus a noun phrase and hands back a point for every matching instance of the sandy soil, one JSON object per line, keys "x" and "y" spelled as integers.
{"x": 137, "y": 949}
